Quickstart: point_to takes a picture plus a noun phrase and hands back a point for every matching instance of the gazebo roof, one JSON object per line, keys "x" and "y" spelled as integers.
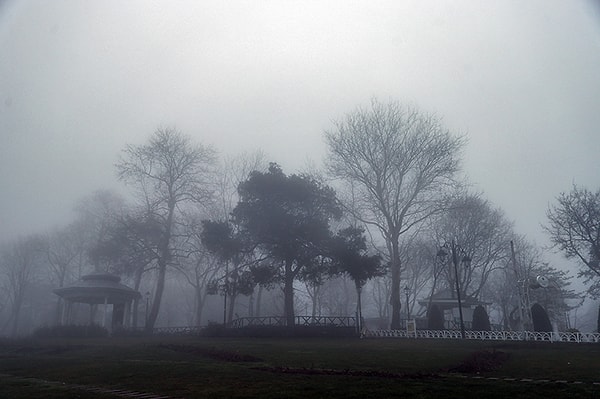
{"x": 446, "y": 299}
{"x": 98, "y": 288}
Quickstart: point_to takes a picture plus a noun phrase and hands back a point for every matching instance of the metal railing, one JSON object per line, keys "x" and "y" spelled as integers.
{"x": 313, "y": 321}
{"x": 487, "y": 335}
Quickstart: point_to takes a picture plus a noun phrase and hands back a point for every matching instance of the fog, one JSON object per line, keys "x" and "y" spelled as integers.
{"x": 79, "y": 80}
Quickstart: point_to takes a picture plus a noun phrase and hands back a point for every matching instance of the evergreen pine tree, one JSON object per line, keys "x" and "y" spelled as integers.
{"x": 481, "y": 320}
{"x": 435, "y": 318}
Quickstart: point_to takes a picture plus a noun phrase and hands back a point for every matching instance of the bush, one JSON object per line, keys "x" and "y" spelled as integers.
{"x": 435, "y": 318}
{"x": 541, "y": 321}
{"x": 213, "y": 330}
{"x": 481, "y": 320}
{"x": 71, "y": 331}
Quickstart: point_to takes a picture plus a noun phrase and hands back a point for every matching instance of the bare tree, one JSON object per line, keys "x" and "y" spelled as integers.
{"x": 483, "y": 232}
{"x": 65, "y": 253}
{"x": 97, "y": 216}
{"x": 168, "y": 172}
{"x": 422, "y": 271}
{"x": 395, "y": 161}
{"x": 199, "y": 267}
{"x": 20, "y": 264}
{"x": 380, "y": 294}
{"x": 232, "y": 171}
{"x": 574, "y": 228}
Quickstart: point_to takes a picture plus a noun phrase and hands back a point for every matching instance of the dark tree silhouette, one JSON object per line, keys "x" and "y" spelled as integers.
{"x": 223, "y": 240}
{"x": 481, "y": 321}
{"x": 541, "y": 321}
{"x": 287, "y": 217}
{"x": 435, "y": 318}
{"x": 350, "y": 257}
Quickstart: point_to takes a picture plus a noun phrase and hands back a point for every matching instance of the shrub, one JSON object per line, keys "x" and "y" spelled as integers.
{"x": 541, "y": 321}
{"x": 435, "y": 318}
{"x": 481, "y": 320}
{"x": 71, "y": 331}
{"x": 214, "y": 330}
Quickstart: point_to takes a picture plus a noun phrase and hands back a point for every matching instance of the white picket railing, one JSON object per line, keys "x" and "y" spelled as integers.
{"x": 486, "y": 335}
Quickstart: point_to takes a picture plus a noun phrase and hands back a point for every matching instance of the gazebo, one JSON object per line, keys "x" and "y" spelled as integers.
{"x": 100, "y": 289}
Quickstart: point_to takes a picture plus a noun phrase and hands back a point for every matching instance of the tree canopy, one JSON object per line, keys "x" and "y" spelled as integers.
{"x": 288, "y": 218}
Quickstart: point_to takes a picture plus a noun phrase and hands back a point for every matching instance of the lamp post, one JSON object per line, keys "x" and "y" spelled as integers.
{"x": 147, "y": 303}
{"x": 465, "y": 260}
{"x": 407, "y": 292}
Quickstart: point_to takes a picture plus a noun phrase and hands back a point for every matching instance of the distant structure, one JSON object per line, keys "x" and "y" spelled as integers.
{"x": 100, "y": 289}
{"x": 448, "y": 303}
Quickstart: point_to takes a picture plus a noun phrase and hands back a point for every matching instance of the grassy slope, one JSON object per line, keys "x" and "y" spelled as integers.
{"x": 294, "y": 368}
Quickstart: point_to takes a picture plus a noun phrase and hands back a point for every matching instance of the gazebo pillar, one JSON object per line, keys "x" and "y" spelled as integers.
{"x": 105, "y": 316}
{"x": 66, "y": 313}
{"x": 92, "y": 312}
{"x": 127, "y": 314}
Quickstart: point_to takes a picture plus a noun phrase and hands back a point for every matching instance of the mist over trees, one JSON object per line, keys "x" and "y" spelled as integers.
{"x": 394, "y": 163}
{"x": 168, "y": 173}
{"x": 210, "y": 239}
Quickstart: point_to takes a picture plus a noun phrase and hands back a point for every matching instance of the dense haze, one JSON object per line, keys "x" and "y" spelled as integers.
{"x": 80, "y": 79}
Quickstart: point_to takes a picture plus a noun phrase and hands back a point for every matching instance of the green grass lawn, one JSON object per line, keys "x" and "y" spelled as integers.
{"x": 196, "y": 367}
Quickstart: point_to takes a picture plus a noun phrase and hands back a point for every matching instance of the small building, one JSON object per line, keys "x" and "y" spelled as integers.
{"x": 103, "y": 289}
{"x": 447, "y": 301}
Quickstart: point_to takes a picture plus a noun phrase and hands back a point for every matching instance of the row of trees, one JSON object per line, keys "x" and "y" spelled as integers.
{"x": 241, "y": 227}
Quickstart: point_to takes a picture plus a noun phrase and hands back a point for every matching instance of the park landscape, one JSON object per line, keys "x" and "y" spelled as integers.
{"x": 284, "y": 234}
{"x": 161, "y": 238}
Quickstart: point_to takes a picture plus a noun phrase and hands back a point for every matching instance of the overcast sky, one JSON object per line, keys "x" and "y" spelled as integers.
{"x": 80, "y": 79}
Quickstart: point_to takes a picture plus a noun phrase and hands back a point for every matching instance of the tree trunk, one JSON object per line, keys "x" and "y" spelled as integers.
{"x": 251, "y": 305}
{"x": 15, "y": 318}
{"x": 231, "y": 304}
{"x": 288, "y": 294}
{"x": 258, "y": 300}
{"x": 315, "y": 301}
{"x": 199, "y": 305}
{"x": 137, "y": 281}
{"x": 358, "y": 308}
{"x": 163, "y": 260}
{"x": 395, "y": 291}
{"x": 160, "y": 287}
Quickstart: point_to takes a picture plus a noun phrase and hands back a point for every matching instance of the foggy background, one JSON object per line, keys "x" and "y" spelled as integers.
{"x": 80, "y": 79}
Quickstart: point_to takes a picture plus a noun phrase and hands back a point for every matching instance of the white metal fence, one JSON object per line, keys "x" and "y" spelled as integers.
{"x": 486, "y": 335}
